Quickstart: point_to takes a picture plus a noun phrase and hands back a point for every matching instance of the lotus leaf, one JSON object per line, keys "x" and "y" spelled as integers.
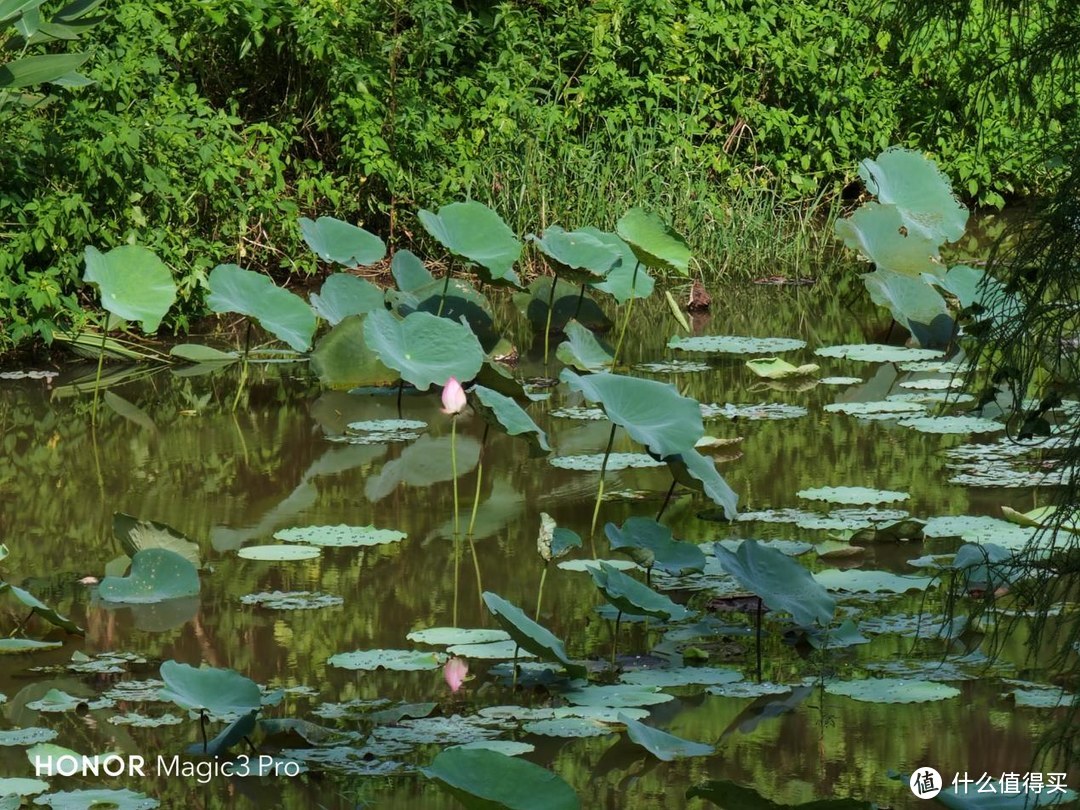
{"x": 591, "y": 565}
{"x": 197, "y": 353}
{"x": 384, "y": 431}
{"x": 342, "y": 360}
{"x": 423, "y": 463}
{"x": 474, "y": 232}
{"x": 278, "y": 553}
{"x": 569, "y": 727}
{"x": 577, "y": 255}
{"x": 883, "y": 409}
{"x": 650, "y": 544}
{"x": 595, "y": 461}
{"x": 952, "y": 424}
{"x": 506, "y": 413}
{"x": 453, "y": 299}
{"x": 696, "y": 471}
{"x": 627, "y": 279}
{"x": 1038, "y": 696}
{"x": 673, "y": 367}
{"x": 654, "y": 242}
{"x": 342, "y": 243}
{"x": 781, "y": 583}
{"x": 857, "y": 580}
{"x": 134, "y": 284}
{"x": 236, "y": 731}
{"x": 157, "y": 574}
{"x": 660, "y": 744}
{"x": 56, "y": 700}
{"x": 511, "y": 748}
{"x": 933, "y": 383}
{"x": 40, "y": 608}
{"x": 490, "y": 650}
{"x": 633, "y": 597}
{"x": 280, "y": 312}
{"x": 220, "y": 692}
{"x": 614, "y": 696}
{"x": 136, "y": 720}
{"x": 26, "y": 736}
{"x": 877, "y": 353}
{"x": 913, "y": 303}
{"x": 792, "y": 548}
{"x": 480, "y": 778}
{"x": 880, "y": 234}
{"x": 754, "y": 413}
{"x": 554, "y": 542}
{"x": 723, "y": 344}
{"x": 744, "y": 689}
{"x": 892, "y": 690}
{"x": 919, "y": 191}
{"x": 82, "y": 799}
{"x": 852, "y": 495}
{"x": 653, "y": 413}
{"x": 445, "y": 636}
{"x": 135, "y": 535}
{"x": 340, "y": 536}
{"x": 666, "y": 678}
{"x": 569, "y": 304}
{"x": 424, "y": 348}
{"x": 578, "y": 412}
{"x": 292, "y": 600}
{"x": 397, "y": 660}
{"x": 21, "y": 786}
{"x": 528, "y": 634}
{"x": 342, "y": 295}
{"x": 773, "y": 368}
{"x": 582, "y": 350}
{"x": 840, "y": 380}
{"x": 409, "y": 272}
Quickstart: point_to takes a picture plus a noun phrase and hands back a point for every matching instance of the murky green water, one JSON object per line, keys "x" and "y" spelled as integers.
{"x": 231, "y": 478}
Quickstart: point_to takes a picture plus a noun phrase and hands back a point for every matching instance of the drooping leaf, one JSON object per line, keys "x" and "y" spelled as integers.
{"x": 40, "y": 608}
{"x": 880, "y": 234}
{"x": 650, "y": 544}
{"x": 157, "y": 574}
{"x": 626, "y": 279}
{"x": 504, "y": 412}
{"x": 280, "y": 312}
{"x": 342, "y": 243}
{"x": 654, "y": 242}
{"x": 529, "y": 635}
{"x": 134, "y": 283}
{"x": 698, "y": 472}
{"x": 409, "y": 272}
{"x": 660, "y": 744}
{"x": 676, "y": 311}
{"x": 482, "y": 779}
{"x": 211, "y": 689}
{"x": 425, "y": 349}
{"x": 231, "y": 735}
{"x": 577, "y": 255}
{"x": 343, "y": 295}
{"x": 779, "y": 581}
{"x": 474, "y": 232}
{"x": 633, "y": 597}
{"x": 582, "y": 350}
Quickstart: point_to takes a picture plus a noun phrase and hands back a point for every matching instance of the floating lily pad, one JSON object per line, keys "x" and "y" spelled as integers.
{"x": 157, "y": 575}
{"x": 673, "y": 367}
{"x": 14, "y": 646}
{"x": 840, "y": 380}
{"x": 384, "y": 431}
{"x": 292, "y": 600}
{"x": 396, "y": 660}
{"x": 615, "y": 696}
{"x": 1038, "y": 696}
{"x": 883, "y": 409}
{"x": 136, "y": 720}
{"x": 660, "y": 744}
{"x": 745, "y": 689}
{"x": 892, "y": 690}
{"x": 932, "y": 397}
{"x": 579, "y": 412}
{"x": 83, "y": 799}
{"x": 857, "y": 580}
{"x": 666, "y": 678}
{"x": 19, "y": 786}
{"x": 852, "y": 495}
{"x": 490, "y": 651}
{"x": 754, "y": 413}
{"x": 569, "y": 727}
{"x": 591, "y": 565}
{"x": 773, "y": 368}
{"x": 877, "y": 353}
{"x": 732, "y": 344}
{"x": 340, "y": 536}
{"x": 488, "y": 779}
{"x": 952, "y": 424}
{"x": 445, "y": 636}
{"x": 615, "y": 462}
{"x": 278, "y": 553}
{"x": 933, "y": 383}
{"x": 512, "y": 748}
{"x": 26, "y": 736}
{"x": 57, "y": 700}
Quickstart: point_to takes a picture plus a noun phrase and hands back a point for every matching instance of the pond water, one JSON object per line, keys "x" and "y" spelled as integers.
{"x": 282, "y": 459}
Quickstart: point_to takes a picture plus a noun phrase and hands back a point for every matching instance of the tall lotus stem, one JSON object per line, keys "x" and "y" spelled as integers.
{"x": 540, "y": 593}
{"x": 667, "y": 499}
{"x": 453, "y": 472}
{"x": 453, "y": 400}
{"x": 100, "y": 360}
{"x": 600, "y": 489}
{"x": 445, "y": 289}
{"x": 615, "y": 638}
{"x": 551, "y": 308}
{"x": 580, "y": 299}
{"x": 626, "y": 318}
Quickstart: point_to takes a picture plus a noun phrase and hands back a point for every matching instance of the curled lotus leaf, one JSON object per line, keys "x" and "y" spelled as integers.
{"x": 633, "y": 597}
{"x": 662, "y": 745}
{"x": 651, "y": 544}
{"x": 529, "y": 635}
{"x": 655, "y": 243}
{"x": 280, "y": 312}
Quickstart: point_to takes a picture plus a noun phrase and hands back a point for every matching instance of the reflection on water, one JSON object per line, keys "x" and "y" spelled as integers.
{"x": 230, "y": 478}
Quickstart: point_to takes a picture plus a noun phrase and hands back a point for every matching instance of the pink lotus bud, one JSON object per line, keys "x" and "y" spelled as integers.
{"x": 453, "y": 397}
{"x": 455, "y": 671}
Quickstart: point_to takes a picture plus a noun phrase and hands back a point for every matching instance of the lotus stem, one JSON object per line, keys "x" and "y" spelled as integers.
{"x": 758, "y": 623}
{"x": 457, "y": 575}
{"x": 580, "y": 299}
{"x": 667, "y": 499}
{"x": 600, "y": 490}
{"x": 626, "y": 318}
{"x": 445, "y": 289}
{"x": 540, "y": 593}
{"x": 551, "y": 308}
{"x": 202, "y": 726}
{"x": 453, "y": 472}
{"x": 513, "y": 669}
{"x": 400, "y": 391}
{"x": 243, "y": 381}
{"x": 21, "y": 624}
{"x": 615, "y": 639}
{"x": 479, "y": 476}
{"x": 100, "y": 362}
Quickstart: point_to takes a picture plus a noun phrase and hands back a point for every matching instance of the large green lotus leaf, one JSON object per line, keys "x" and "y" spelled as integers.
{"x": 482, "y": 779}
{"x": 281, "y": 313}
{"x": 504, "y": 412}
{"x": 40, "y": 608}
{"x": 134, "y": 283}
{"x": 212, "y": 689}
{"x": 529, "y": 635}
{"x": 879, "y": 233}
{"x": 342, "y": 360}
{"x": 340, "y": 536}
{"x": 652, "y": 412}
{"x": 892, "y": 690}
{"x": 568, "y": 304}
{"x": 409, "y": 272}
{"x": 626, "y": 279}
{"x": 342, "y": 243}
{"x": 698, "y": 472}
{"x": 614, "y": 696}
{"x": 553, "y": 542}
{"x": 988, "y": 565}
{"x": 343, "y": 295}
{"x": 877, "y": 353}
{"x": 919, "y": 190}
{"x": 156, "y": 574}
{"x": 779, "y": 581}
{"x": 577, "y": 255}
{"x": 650, "y": 544}
{"x": 633, "y": 597}
{"x": 234, "y": 733}
{"x": 136, "y": 535}
{"x": 396, "y": 660}
{"x": 965, "y": 283}
{"x": 773, "y": 368}
{"x": 582, "y": 350}
{"x": 120, "y": 799}
{"x": 852, "y": 495}
{"x": 662, "y": 745}
{"x": 858, "y": 580}
{"x": 461, "y": 301}
{"x": 654, "y": 242}
{"x": 730, "y": 795}
{"x": 474, "y": 232}
{"x": 14, "y": 646}
{"x": 910, "y": 299}
{"x": 425, "y": 349}
{"x": 734, "y": 344}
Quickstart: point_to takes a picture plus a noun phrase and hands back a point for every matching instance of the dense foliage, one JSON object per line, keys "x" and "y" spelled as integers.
{"x": 211, "y": 125}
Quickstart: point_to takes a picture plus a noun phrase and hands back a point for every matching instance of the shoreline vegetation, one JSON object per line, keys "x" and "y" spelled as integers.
{"x": 205, "y": 130}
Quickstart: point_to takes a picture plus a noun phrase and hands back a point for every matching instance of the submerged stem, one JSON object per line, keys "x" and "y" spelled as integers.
{"x": 600, "y": 489}
{"x": 100, "y": 361}
{"x": 667, "y": 498}
{"x": 626, "y": 318}
{"x": 551, "y": 308}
